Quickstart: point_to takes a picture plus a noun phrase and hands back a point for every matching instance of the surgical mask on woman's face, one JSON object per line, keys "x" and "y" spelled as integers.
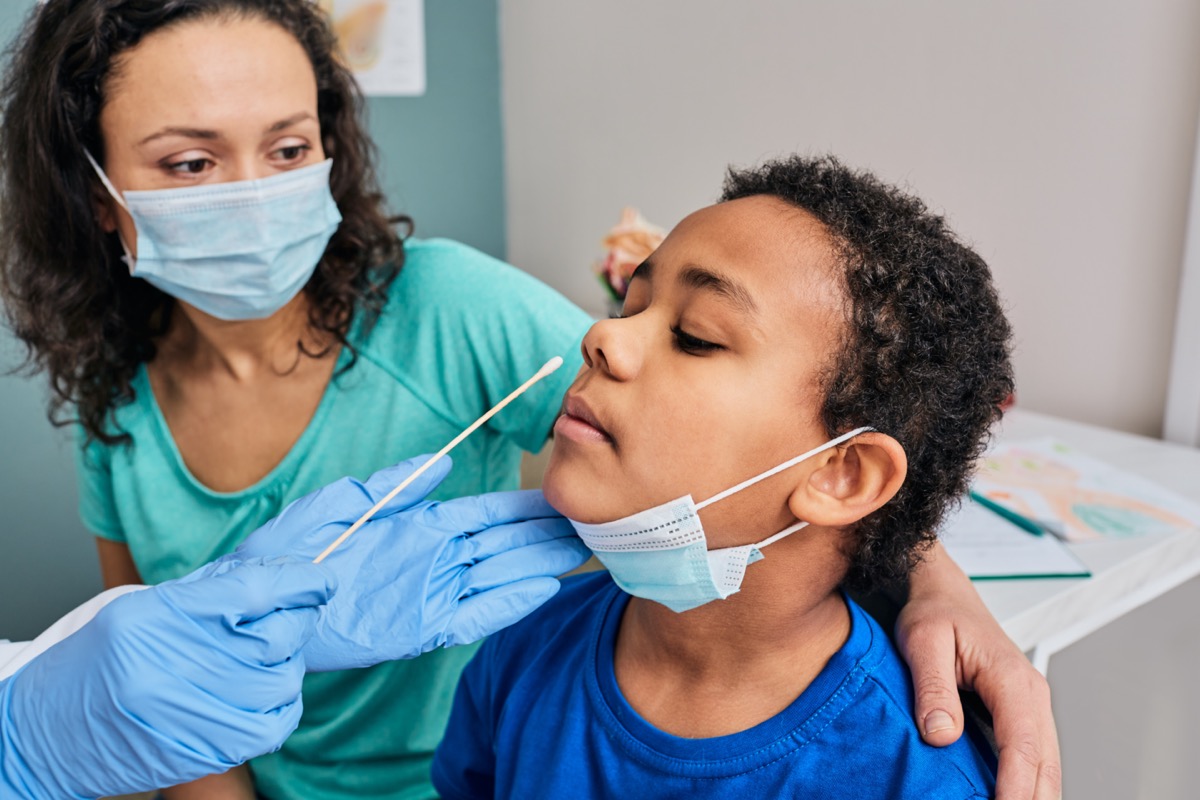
{"x": 238, "y": 250}
{"x": 662, "y": 554}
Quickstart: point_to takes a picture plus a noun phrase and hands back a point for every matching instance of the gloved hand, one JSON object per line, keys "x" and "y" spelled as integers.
{"x": 420, "y": 575}
{"x": 165, "y": 685}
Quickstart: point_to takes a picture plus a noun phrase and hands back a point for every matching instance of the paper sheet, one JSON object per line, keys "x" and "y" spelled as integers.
{"x": 986, "y": 545}
{"x": 383, "y": 42}
{"x": 1086, "y": 499}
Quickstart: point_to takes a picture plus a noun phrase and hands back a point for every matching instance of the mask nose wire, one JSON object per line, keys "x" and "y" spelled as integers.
{"x": 785, "y": 465}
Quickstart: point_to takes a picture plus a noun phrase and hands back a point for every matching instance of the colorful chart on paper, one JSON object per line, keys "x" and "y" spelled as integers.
{"x": 1084, "y": 499}
{"x": 383, "y": 43}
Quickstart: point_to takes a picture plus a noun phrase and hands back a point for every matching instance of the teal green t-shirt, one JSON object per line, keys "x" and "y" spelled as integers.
{"x": 459, "y": 332}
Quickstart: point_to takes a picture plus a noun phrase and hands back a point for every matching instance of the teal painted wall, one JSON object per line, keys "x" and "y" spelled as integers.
{"x": 441, "y": 163}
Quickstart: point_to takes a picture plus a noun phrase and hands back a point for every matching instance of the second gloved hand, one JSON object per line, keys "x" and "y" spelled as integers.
{"x": 420, "y": 575}
{"x": 165, "y": 685}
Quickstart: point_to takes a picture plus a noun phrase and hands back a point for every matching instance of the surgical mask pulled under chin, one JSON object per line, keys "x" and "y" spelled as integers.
{"x": 238, "y": 250}
{"x": 661, "y": 554}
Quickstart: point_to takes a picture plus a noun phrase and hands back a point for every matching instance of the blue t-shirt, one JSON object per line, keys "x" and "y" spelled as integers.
{"x": 538, "y": 713}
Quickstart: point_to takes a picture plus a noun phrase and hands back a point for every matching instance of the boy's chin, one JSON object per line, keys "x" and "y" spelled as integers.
{"x": 571, "y": 495}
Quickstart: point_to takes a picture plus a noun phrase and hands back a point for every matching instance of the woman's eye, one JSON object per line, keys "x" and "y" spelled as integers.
{"x": 690, "y": 344}
{"x": 193, "y": 166}
{"x": 294, "y": 152}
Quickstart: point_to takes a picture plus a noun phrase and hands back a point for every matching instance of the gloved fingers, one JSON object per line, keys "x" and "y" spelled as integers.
{"x": 480, "y": 512}
{"x": 281, "y": 634}
{"x": 249, "y": 685}
{"x": 543, "y": 559}
{"x": 382, "y": 482}
{"x": 253, "y": 589}
{"x": 218, "y": 566}
{"x": 254, "y": 733}
{"x": 485, "y": 613}
{"x": 509, "y": 536}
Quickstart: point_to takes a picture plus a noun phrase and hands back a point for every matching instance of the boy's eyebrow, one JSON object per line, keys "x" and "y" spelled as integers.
{"x": 726, "y": 287}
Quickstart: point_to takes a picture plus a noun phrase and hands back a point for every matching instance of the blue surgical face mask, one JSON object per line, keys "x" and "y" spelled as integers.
{"x": 662, "y": 554}
{"x": 238, "y": 250}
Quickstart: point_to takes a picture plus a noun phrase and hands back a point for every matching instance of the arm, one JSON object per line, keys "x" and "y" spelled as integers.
{"x": 950, "y": 640}
{"x": 117, "y": 569}
{"x": 165, "y": 685}
{"x": 233, "y": 785}
{"x": 116, "y": 564}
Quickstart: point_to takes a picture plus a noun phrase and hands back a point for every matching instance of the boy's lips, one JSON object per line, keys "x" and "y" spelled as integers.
{"x": 579, "y": 423}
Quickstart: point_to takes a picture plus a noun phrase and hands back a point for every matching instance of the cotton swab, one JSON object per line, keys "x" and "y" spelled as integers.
{"x": 547, "y": 368}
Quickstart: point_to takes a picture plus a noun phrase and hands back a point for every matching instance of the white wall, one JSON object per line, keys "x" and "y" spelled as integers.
{"x": 1059, "y": 137}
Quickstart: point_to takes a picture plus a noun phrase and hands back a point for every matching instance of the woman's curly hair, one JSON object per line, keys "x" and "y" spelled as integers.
{"x": 69, "y": 297}
{"x": 925, "y": 354}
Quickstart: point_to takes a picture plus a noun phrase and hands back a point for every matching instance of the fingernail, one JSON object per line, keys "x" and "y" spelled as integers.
{"x": 937, "y": 721}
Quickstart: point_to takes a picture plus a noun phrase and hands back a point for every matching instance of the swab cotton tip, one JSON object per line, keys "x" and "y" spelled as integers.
{"x": 550, "y": 366}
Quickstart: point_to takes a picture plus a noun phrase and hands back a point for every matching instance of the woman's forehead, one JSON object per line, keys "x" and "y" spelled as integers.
{"x": 209, "y": 73}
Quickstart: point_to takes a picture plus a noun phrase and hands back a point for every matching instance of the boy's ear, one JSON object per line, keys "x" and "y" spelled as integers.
{"x": 850, "y": 481}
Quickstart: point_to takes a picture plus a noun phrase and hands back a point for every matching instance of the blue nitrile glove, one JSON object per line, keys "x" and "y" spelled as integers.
{"x": 165, "y": 685}
{"x": 420, "y": 575}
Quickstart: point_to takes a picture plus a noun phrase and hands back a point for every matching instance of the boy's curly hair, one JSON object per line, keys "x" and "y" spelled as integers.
{"x": 925, "y": 356}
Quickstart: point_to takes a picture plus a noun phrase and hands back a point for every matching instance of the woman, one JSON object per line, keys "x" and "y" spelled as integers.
{"x": 221, "y": 363}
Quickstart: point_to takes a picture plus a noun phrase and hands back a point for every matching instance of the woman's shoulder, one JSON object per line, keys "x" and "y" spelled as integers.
{"x": 447, "y": 289}
{"x": 458, "y": 273}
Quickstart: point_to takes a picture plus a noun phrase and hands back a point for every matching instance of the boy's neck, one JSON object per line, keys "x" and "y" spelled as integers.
{"x": 731, "y": 664}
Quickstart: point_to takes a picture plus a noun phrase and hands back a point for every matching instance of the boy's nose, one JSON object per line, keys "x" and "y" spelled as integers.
{"x": 611, "y": 346}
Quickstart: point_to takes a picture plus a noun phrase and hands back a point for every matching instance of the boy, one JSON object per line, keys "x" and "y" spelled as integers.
{"x": 815, "y": 311}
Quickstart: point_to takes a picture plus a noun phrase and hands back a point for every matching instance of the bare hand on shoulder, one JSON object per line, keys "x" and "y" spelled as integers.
{"x": 952, "y": 642}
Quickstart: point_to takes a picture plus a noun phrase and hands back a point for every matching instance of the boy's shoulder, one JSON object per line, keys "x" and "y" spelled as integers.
{"x": 878, "y": 725}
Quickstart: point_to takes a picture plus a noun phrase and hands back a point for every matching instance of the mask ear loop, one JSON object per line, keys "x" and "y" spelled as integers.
{"x": 788, "y": 531}
{"x": 785, "y": 465}
{"x": 112, "y": 191}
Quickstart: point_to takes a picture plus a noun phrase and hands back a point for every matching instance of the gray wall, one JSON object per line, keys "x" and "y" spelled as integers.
{"x": 1059, "y": 137}
{"x": 441, "y": 163}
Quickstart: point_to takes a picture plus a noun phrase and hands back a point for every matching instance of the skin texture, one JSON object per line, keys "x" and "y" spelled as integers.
{"x": 755, "y": 407}
{"x": 212, "y": 101}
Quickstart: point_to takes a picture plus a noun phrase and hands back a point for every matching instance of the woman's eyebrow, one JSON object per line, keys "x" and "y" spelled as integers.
{"x": 204, "y": 133}
{"x": 725, "y": 287}
{"x": 290, "y": 121}
{"x": 191, "y": 133}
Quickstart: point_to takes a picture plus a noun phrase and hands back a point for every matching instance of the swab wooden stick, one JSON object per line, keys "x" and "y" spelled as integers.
{"x": 546, "y": 369}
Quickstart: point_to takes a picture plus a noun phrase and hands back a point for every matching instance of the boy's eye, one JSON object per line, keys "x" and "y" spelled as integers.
{"x": 687, "y": 343}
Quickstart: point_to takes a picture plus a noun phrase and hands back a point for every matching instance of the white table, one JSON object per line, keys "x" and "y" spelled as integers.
{"x": 1043, "y": 616}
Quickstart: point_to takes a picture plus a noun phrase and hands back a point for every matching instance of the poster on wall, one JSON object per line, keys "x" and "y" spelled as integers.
{"x": 383, "y": 42}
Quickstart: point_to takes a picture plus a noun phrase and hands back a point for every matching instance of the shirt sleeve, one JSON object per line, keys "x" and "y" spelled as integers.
{"x": 471, "y": 329}
{"x": 464, "y": 764}
{"x": 97, "y": 507}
